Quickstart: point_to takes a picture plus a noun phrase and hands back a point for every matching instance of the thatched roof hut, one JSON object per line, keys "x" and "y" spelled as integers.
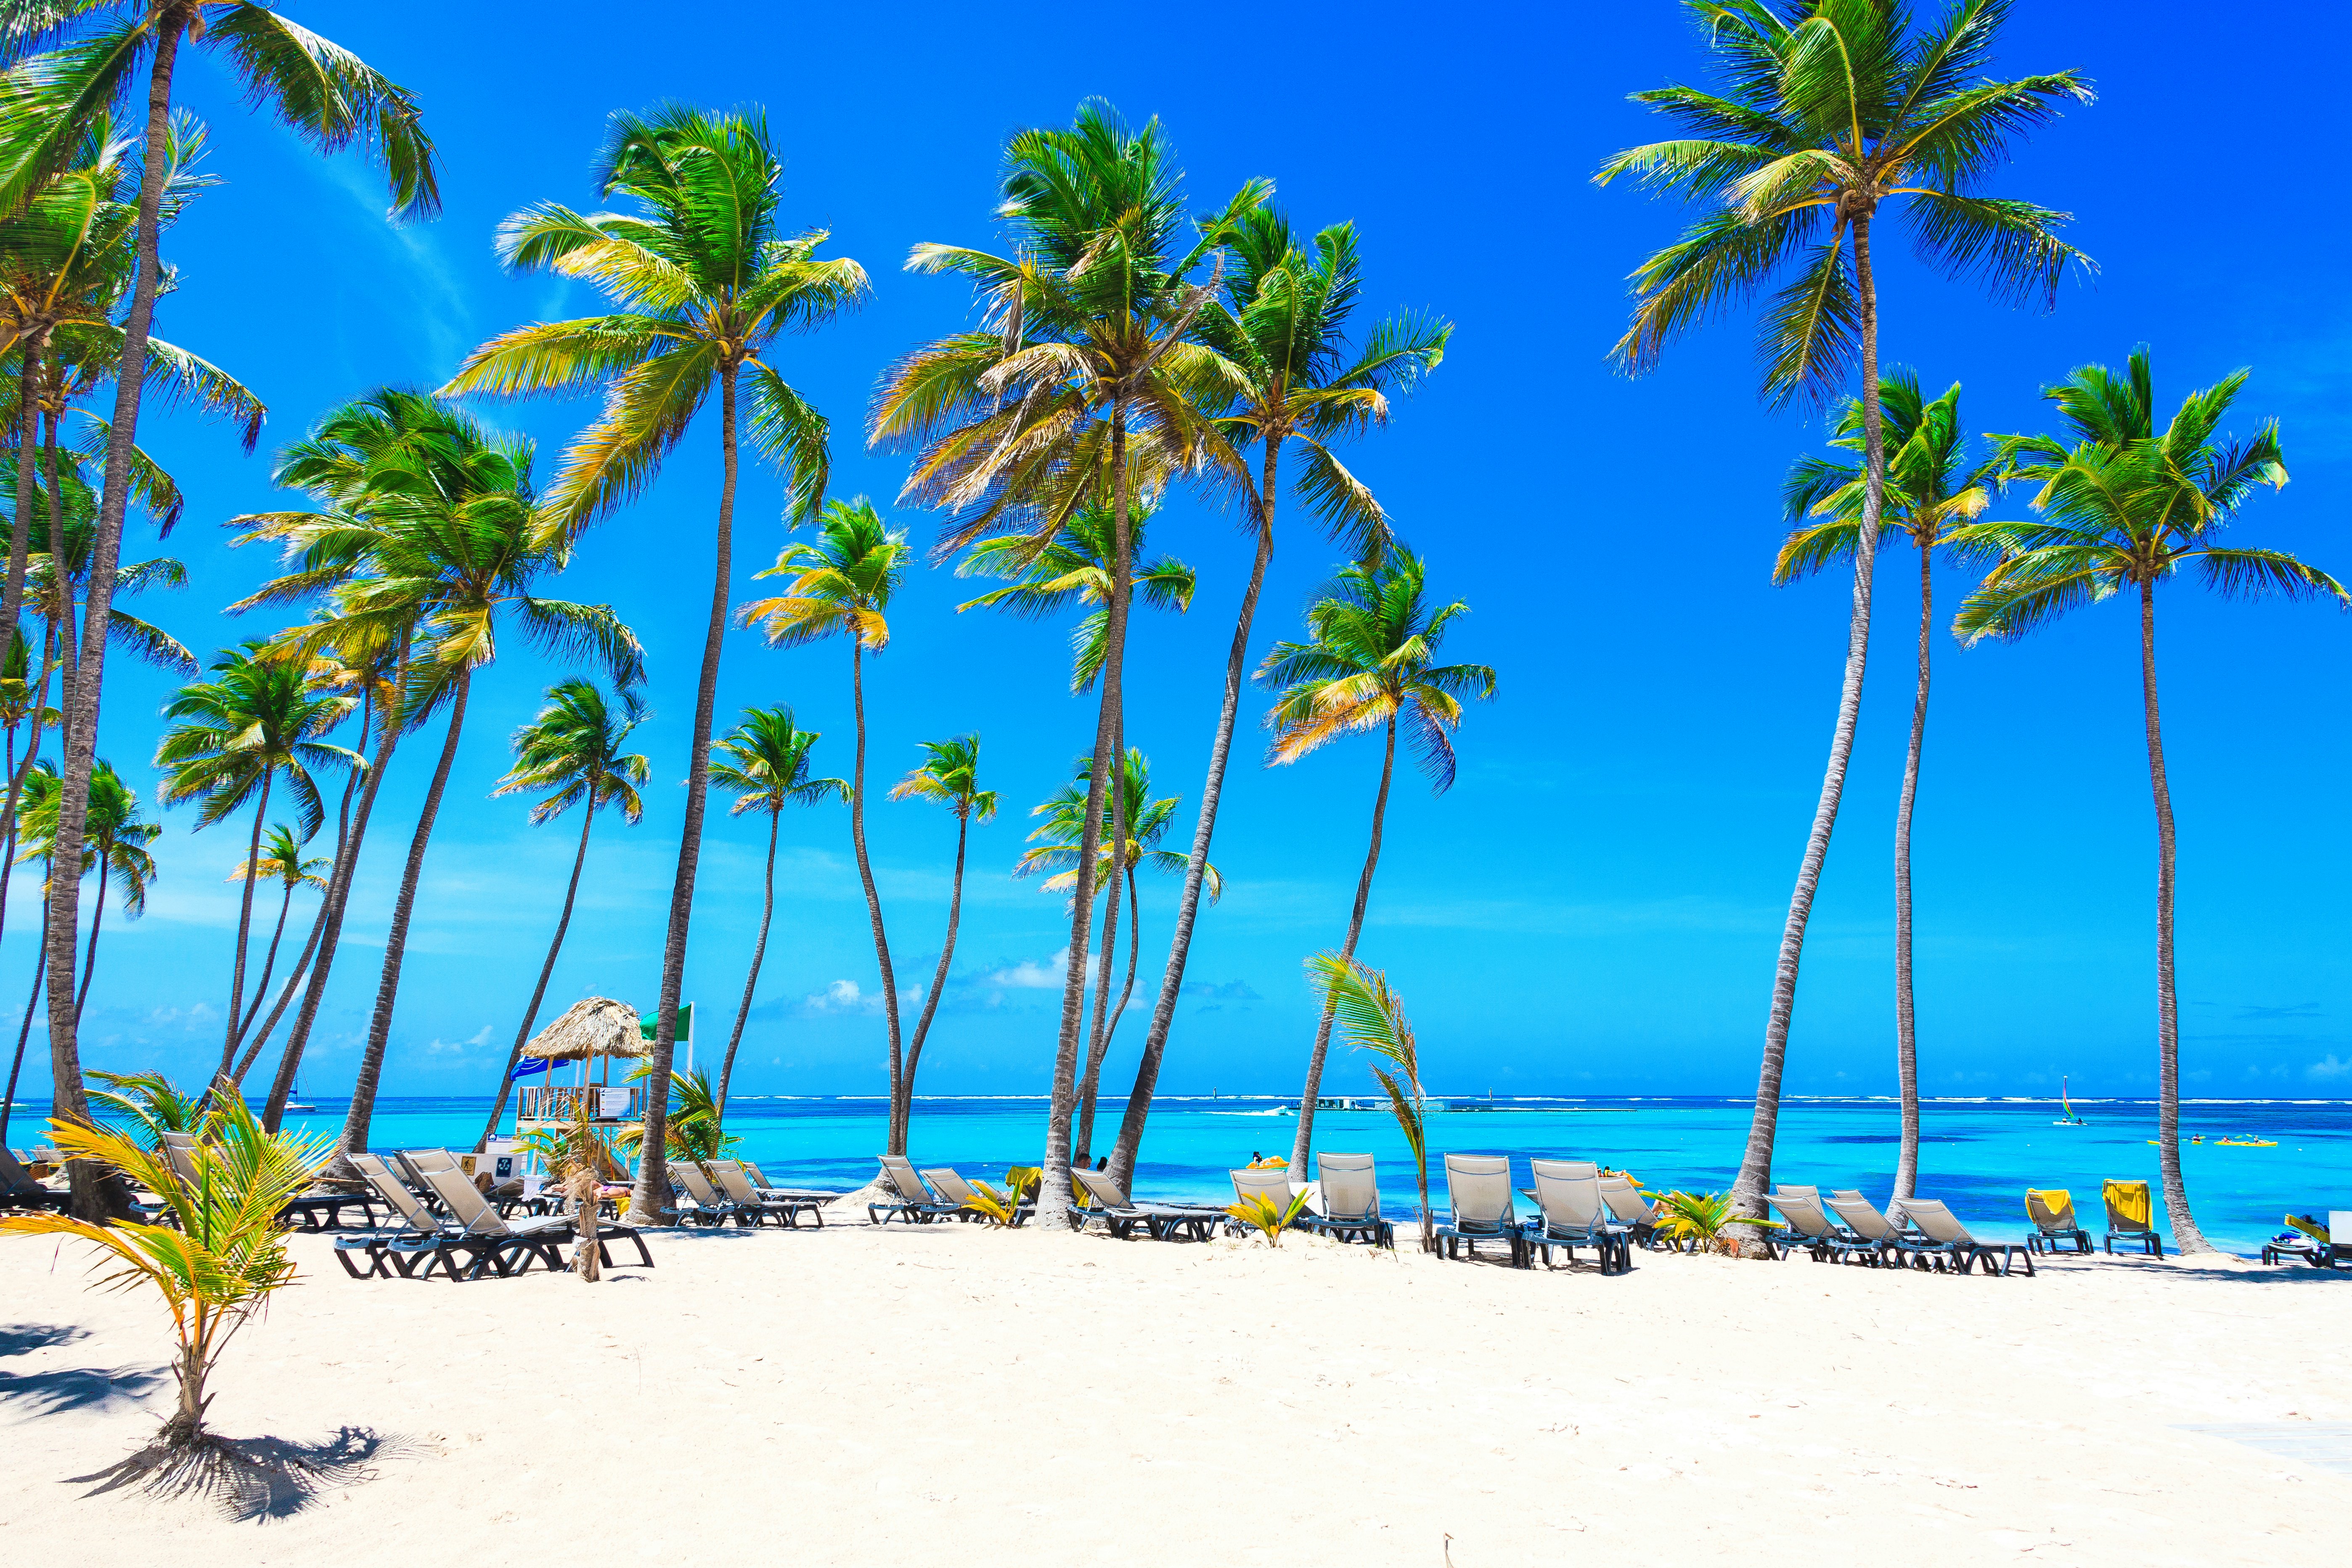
{"x": 594, "y": 1026}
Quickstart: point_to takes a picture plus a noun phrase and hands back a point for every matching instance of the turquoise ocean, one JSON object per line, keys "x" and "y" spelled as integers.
{"x": 1977, "y": 1155}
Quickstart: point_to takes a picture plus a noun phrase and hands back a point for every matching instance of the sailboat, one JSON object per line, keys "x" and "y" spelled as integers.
{"x": 2068, "y": 1118}
{"x": 295, "y": 1104}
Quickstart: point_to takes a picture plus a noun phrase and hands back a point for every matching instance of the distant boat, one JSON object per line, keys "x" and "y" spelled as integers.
{"x": 295, "y": 1104}
{"x": 2070, "y": 1119}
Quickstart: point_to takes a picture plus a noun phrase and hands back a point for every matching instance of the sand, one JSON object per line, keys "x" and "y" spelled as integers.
{"x": 951, "y": 1394}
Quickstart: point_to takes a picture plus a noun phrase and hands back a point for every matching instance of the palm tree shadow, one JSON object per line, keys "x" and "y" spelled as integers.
{"x": 251, "y": 1480}
{"x": 67, "y": 1388}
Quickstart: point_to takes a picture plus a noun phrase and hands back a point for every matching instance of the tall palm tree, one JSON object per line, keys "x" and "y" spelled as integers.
{"x": 1079, "y": 382}
{"x": 2123, "y": 507}
{"x": 280, "y": 859}
{"x": 841, "y": 583}
{"x": 704, "y": 282}
{"x": 115, "y": 848}
{"x": 322, "y": 93}
{"x": 949, "y": 776}
{"x": 1371, "y": 664}
{"x": 1931, "y": 488}
{"x": 1132, "y": 830}
{"x": 1829, "y": 111}
{"x": 571, "y": 755}
{"x": 255, "y": 720}
{"x": 1073, "y": 567}
{"x": 1279, "y": 329}
{"x": 430, "y": 541}
{"x": 764, "y": 763}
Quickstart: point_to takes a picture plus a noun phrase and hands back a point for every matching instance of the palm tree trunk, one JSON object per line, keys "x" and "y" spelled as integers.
{"x": 1756, "y": 1162}
{"x": 30, "y": 350}
{"x": 546, "y": 970}
{"x": 268, "y": 961}
{"x": 938, "y": 975}
{"x": 1054, "y": 1179}
{"x": 18, "y": 770}
{"x": 24, "y": 1033}
{"x": 331, "y": 920}
{"x": 254, "y": 1043}
{"x": 89, "y": 963}
{"x": 1098, "y": 1040}
{"x": 1188, "y": 904}
{"x": 95, "y": 1197}
{"x": 760, "y": 956}
{"x": 898, "y": 1102}
{"x": 649, "y": 1204}
{"x": 2186, "y": 1237}
{"x": 1107, "y": 1019}
{"x": 1304, "y": 1142}
{"x": 233, "y": 1030}
{"x": 396, "y": 937}
{"x": 1907, "y": 1046}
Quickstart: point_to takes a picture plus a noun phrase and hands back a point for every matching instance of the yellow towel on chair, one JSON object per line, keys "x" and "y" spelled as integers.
{"x": 2055, "y": 1207}
{"x": 2128, "y": 1204}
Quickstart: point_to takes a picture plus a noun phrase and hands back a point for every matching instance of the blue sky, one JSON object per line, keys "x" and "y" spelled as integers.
{"x": 1594, "y": 907}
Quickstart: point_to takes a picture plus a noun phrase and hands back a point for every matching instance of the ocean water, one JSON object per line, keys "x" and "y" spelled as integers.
{"x": 1979, "y": 1156}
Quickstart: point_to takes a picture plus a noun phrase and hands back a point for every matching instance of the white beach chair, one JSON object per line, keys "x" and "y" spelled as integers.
{"x": 1272, "y": 1186}
{"x": 910, "y": 1199}
{"x": 1350, "y": 1192}
{"x": 1628, "y": 1207}
{"x": 1571, "y": 1214}
{"x": 1948, "y": 1240}
{"x": 1810, "y": 1228}
{"x": 737, "y": 1186}
{"x": 1163, "y": 1222}
{"x": 1478, "y": 1190}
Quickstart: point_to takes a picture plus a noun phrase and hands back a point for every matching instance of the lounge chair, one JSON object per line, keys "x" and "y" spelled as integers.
{"x": 494, "y": 1242}
{"x": 700, "y": 1201}
{"x": 768, "y": 1189}
{"x": 2051, "y": 1210}
{"x": 2131, "y": 1216}
{"x": 2339, "y": 1236}
{"x": 1946, "y": 1238}
{"x": 19, "y": 1191}
{"x": 913, "y": 1202}
{"x": 1272, "y": 1186}
{"x": 736, "y": 1187}
{"x": 390, "y": 1249}
{"x": 945, "y": 1181}
{"x": 1163, "y": 1222}
{"x": 1868, "y": 1227}
{"x": 1629, "y": 1208}
{"x": 1478, "y": 1190}
{"x": 1811, "y": 1228}
{"x": 1351, "y": 1192}
{"x": 1570, "y": 1214}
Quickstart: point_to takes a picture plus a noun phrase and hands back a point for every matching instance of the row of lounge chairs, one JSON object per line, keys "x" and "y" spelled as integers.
{"x": 451, "y": 1225}
{"x": 2131, "y": 1219}
{"x": 1923, "y": 1235}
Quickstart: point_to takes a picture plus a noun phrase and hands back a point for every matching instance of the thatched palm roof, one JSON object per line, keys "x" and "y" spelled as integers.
{"x": 594, "y": 1026}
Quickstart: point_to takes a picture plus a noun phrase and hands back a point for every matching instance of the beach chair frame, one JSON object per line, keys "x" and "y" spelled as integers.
{"x": 2121, "y": 1228}
{"x": 1570, "y": 1212}
{"x": 1487, "y": 1177}
{"x": 1948, "y": 1243}
{"x": 1344, "y": 1218}
{"x": 1104, "y": 1200}
{"x": 2052, "y": 1228}
{"x": 915, "y": 1203}
{"x": 1810, "y": 1230}
{"x": 735, "y": 1184}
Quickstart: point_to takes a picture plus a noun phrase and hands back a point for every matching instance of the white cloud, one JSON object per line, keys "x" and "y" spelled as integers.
{"x": 441, "y": 1047}
{"x": 1030, "y": 974}
{"x": 842, "y": 996}
{"x": 2331, "y": 1068}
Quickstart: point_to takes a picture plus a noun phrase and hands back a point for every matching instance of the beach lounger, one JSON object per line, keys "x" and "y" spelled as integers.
{"x": 419, "y": 1233}
{"x": 951, "y": 1186}
{"x": 1272, "y": 1186}
{"x": 1478, "y": 1191}
{"x": 1948, "y": 1238}
{"x": 19, "y": 1191}
{"x": 1810, "y": 1227}
{"x": 912, "y": 1201}
{"x": 1570, "y": 1214}
{"x": 700, "y": 1201}
{"x": 1629, "y": 1208}
{"x": 2339, "y": 1236}
{"x": 768, "y": 1189}
{"x": 494, "y": 1242}
{"x": 736, "y": 1185}
{"x": 2131, "y": 1216}
{"x": 1868, "y": 1227}
{"x": 2051, "y": 1210}
{"x": 1350, "y": 1192}
{"x": 1162, "y": 1222}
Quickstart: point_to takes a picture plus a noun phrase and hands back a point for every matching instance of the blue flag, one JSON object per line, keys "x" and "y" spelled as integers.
{"x": 529, "y": 1067}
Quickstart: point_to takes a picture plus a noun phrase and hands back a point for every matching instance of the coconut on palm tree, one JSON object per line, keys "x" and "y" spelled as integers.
{"x": 764, "y": 763}
{"x": 433, "y": 542}
{"x": 2124, "y": 506}
{"x": 841, "y": 585}
{"x": 948, "y": 775}
{"x": 571, "y": 755}
{"x": 704, "y": 284}
{"x": 1078, "y": 384}
{"x": 1828, "y": 116}
{"x": 1370, "y": 666}
{"x": 1931, "y": 488}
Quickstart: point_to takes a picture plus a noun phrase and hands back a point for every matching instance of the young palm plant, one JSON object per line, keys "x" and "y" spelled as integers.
{"x": 842, "y": 584}
{"x": 765, "y": 764}
{"x": 1373, "y": 1017}
{"x": 949, "y": 776}
{"x": 571, "y": 755}
{"x": 704, "y": 284}
{"x": 1830, "y": 111}
{"x": 1280, "y": 328}
{"x": 1371, "y": 665}
{"x": 2123, "y": 507}
{"x": 1931, "y": 488}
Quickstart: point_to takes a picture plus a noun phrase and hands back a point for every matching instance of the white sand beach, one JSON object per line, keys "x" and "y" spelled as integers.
{"x": 961, "y": 1395}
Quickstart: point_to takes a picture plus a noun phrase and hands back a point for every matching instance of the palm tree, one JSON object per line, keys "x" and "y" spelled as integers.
{"x": 1131, "y": 834}
{"x": 115, "y": 848}
{"x": 433, "y": 535}
{"x": 1280, "y": 332}
{"x": 1073, "y": 567}
{"x": 704, "y": 283}
{"x": 1373, "y": 1016}
{"x": 326, "y": 96}
{"x": 765, "y": 764}
{"x": 255, "y": 720}
{"x": 281, "y": 860}
{"x": 571, "y": 755}
{"x": 842, "y": 584}
{"x": 1076, "y": 387}
{"x": 1931, "y": 488}
{"x": 949, "y": 776}
{"x": 2123, "y": 507}
{"x": 1829, "y": 111}
{"x": 1371, "y": 665}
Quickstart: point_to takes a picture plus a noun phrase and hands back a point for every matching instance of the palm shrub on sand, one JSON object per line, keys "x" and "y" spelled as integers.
{"x": 214, "y": 1264}
{"x": 1372, "y": 1015}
